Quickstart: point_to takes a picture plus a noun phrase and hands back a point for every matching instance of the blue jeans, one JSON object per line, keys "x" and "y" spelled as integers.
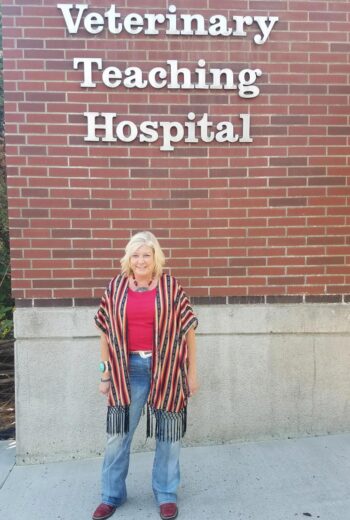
{"x": 166, "y": 468}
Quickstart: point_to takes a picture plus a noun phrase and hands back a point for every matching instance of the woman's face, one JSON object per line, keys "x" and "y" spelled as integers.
{"x": 142, "y": 262}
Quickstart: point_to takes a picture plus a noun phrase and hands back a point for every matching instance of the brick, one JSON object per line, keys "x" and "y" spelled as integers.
{"x": 256, "y": 232}
{"x": 35, "y": 213}
{"x": 325, "y": 260}
{"x": 288, "y": 161}
{"x": 284, "y": 193}
{"x": 288, "y": 201}
{"x": 29, "y": 43}
{"x": 322, "y": 299}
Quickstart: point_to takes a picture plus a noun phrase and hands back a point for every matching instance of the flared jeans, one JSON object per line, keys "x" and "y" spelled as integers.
{"x": 166, "y": 468}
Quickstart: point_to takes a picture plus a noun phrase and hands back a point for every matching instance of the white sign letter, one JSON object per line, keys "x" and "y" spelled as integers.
{"x": 94, "y": 19}
{"x": 111, "y": 77}
{"x": 266, "y": 29}
{"x": 66, "y": 11}
{"x": 87, "y": 62}
{"x": 107, "y": 126}
{"x": 168, "y": 138}
{"x": 246, "y": 129}
{"x": 112, "y": 16}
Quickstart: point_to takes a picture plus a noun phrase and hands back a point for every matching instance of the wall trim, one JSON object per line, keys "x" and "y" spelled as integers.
{"x": 197, "y": 300}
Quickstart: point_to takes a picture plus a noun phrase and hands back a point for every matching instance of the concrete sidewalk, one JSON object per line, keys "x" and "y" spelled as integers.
{"x": 270, "y": 480}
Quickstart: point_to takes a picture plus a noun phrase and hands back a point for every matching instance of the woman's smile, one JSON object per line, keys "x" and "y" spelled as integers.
{"x": 142, "y": 262}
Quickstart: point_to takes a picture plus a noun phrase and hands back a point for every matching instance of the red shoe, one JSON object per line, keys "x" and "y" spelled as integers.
{"x": 168, "y": 511}
{"x": 103, "y": 511}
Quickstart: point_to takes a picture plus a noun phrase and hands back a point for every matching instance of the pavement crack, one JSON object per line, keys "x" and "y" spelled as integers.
{"x": 7, "y": 476}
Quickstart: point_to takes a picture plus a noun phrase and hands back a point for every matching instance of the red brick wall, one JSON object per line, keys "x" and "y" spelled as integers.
{"x": 268, "y": 219}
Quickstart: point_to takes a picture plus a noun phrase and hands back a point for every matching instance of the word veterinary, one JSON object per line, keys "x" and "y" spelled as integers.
{"x": 173, "y": 131}
{"x": 175, "y": 78}
{"x": 175, "y": 25}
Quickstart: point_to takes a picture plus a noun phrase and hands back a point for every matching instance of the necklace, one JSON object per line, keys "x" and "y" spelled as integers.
{"x": 141, "y": 289}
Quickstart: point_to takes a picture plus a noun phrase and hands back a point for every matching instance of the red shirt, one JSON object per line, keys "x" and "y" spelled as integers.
{"x": 140, "y": 314}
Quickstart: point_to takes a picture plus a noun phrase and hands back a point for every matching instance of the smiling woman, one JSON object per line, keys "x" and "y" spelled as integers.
{"x": 143, "y": 260}
{"x": 142, "y": 265}
{"x": 148, "y": 353}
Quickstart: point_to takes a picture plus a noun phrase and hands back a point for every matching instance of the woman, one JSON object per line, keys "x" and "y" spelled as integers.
{"x": 148, "y": 354}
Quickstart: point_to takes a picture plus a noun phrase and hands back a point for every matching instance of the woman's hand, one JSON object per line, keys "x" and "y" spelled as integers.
{"x": 192, "y": 380}
{"x": 104, "y": 387}
{"x": 193, "y": 384}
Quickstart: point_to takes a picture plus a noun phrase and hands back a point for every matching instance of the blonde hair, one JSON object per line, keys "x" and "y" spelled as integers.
{"x": 144, "y": 238}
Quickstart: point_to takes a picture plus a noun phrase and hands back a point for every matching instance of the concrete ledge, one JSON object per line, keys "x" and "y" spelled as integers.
{"x": 265, "y": 371}
{"x": 75, "y": 322}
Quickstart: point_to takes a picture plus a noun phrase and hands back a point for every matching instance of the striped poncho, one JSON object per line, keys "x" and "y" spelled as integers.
{"x": 167, "y": 399}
